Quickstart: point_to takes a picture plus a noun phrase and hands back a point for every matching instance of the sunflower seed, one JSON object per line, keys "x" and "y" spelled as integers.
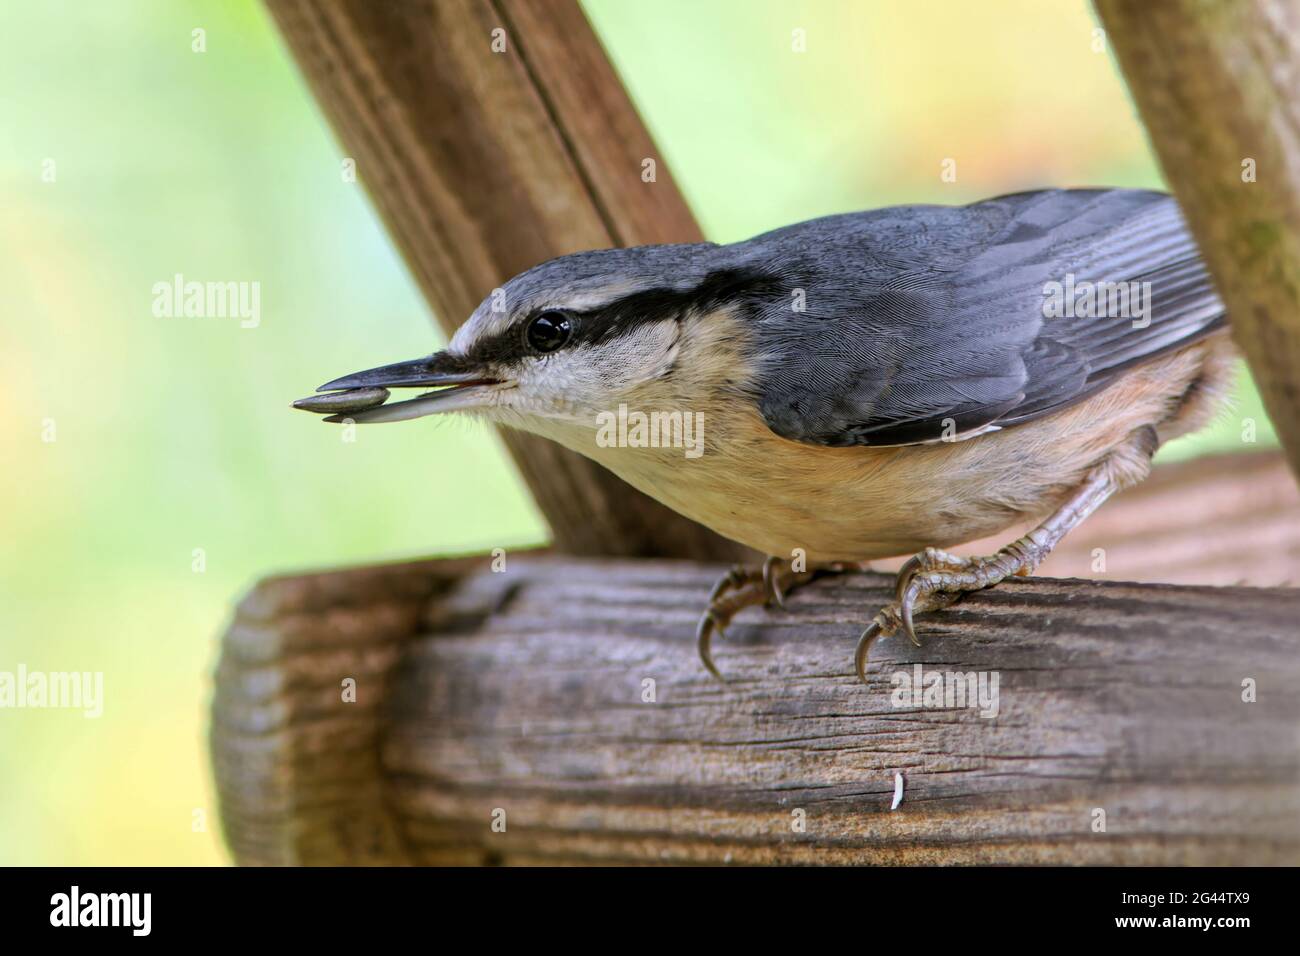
{"x": 352, "y": 400}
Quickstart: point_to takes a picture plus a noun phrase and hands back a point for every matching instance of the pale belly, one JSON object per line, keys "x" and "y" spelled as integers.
{"x": 851, "y": 504}
{"x": 858, "y": 504}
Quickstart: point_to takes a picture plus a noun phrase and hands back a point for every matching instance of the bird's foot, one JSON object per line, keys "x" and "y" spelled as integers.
{"x": 743, "y": 587}
{"x": 934, "y": 579}
{"x": 929, "y": 581}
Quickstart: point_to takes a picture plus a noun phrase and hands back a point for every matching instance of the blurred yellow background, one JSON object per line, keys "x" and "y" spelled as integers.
{"x": 126, "y": 158}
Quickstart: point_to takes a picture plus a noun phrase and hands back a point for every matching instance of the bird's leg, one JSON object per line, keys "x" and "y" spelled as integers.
{"x": 743, "y": 587}
{"x": 934, "y": 579}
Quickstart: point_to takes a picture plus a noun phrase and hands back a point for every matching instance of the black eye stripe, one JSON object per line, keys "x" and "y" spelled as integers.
{"x": 738, "y": 287}
{"x": 741, "y": 287}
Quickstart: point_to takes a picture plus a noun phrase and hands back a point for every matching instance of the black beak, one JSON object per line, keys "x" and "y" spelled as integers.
{"x": 436, "y": 371}
{"x": 360, "y": 396}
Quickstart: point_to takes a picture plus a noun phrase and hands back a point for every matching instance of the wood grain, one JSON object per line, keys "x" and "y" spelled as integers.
{"x": 522, "y": 692}
{"x": 298, "y": 778}
{"x": 1218, "y": 86}
{"x": 484, "y": 164}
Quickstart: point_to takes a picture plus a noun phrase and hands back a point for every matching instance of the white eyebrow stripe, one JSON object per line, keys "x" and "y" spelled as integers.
{"x": 591, "y": 298}
{"x": 486, "y": 322}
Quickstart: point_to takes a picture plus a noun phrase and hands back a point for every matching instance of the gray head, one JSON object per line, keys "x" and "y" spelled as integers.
{"x": 568, "y": 338}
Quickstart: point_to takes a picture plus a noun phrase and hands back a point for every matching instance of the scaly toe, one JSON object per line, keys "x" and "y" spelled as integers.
{"x": 736, "y": 577}
{"x": 931, "y": 559}
{"x": 738, "y": 589}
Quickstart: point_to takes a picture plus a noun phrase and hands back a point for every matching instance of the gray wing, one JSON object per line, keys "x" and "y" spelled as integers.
{"x": 923, "y": 317}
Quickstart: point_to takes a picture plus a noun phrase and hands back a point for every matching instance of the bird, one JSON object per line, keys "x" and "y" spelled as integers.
{"x": 859, "y": 386}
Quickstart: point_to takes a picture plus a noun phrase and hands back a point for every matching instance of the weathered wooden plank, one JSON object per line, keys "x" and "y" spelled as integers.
{"x": 483, "y": 164}
{"x": 523, "y": 692}
{"x": 1109, "y": 696}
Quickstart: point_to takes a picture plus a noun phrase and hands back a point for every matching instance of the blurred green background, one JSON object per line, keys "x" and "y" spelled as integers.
{"x": 127, "y": 158}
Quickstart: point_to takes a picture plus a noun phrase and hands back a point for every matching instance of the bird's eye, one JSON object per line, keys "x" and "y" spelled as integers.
{"x": 548, "y": 331}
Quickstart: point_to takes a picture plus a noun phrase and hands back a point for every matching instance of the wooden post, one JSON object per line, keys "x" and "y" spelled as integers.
{"x": 527, "y": 692}
{"x": 1218, "y": 87}
{"x": 485, "y": 163}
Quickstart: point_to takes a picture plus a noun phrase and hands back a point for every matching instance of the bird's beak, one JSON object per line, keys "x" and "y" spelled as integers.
{"x": 357, "y": 397}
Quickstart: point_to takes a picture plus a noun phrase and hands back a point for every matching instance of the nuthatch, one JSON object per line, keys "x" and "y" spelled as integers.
{"x": 859, "y": 386}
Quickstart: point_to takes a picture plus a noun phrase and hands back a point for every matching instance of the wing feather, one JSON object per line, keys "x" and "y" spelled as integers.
{"x": 925, "y": 318}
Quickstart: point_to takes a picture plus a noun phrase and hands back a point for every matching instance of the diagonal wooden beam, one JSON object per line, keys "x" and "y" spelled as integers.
{"x": 485, "y": 163}
{"x": 1218, "y": 87}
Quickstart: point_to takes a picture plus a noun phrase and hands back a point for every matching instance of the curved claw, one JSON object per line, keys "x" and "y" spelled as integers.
{"x": 905, "y": 575}
{"x": 873, "y": 631}
{"x": 905, "y": 618}
{"x": 904, "y": 597}
{"x": 772, "y": 587}
{"x": 704, "y": 639}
